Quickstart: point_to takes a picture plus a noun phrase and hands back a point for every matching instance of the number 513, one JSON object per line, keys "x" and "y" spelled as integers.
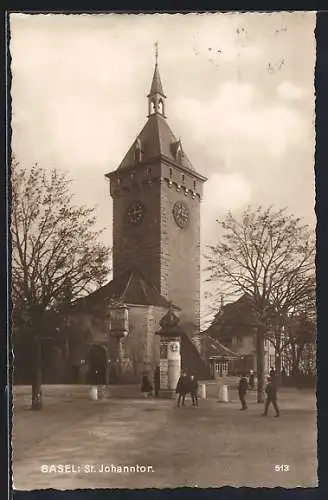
{"x": 281, "y": 468}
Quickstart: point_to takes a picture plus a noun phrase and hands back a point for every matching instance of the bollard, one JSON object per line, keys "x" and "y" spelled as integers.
{"x": 223, "y": 395}
{"x": 203, "y": 391}
{"x": 218, "y": 387}
{"x": 94, "y": 393}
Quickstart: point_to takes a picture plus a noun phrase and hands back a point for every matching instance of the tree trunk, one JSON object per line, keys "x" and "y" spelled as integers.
{"x": 37, "y": 376}
{"x": 260, "y": 364}
{"x": 300, "y": 350}
{"x": 277, "y": 365}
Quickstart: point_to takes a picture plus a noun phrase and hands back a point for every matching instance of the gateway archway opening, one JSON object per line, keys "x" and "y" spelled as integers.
{"x": 97, "y": 365}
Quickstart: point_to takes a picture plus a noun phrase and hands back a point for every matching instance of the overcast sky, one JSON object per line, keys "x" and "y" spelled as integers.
{"x": 240, "y": 91}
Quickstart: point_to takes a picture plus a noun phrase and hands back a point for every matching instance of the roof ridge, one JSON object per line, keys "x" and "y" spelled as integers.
{"x": 143, "y": 283}
{"x": 158, "y": 133}
{"x": 127, "y": 284}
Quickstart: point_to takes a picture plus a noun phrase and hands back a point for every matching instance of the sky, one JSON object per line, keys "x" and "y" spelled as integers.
{"x": 240, "y": 95}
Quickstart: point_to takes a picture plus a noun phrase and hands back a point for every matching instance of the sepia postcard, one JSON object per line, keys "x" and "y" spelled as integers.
{"x": 163, "y": 250}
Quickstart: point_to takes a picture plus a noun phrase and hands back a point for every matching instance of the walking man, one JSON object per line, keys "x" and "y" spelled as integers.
{"x": 242, "y": 390}
{"x": 182, "y": 388}
{"x": 193, "y": 386}
{"x": 271, "y": 392}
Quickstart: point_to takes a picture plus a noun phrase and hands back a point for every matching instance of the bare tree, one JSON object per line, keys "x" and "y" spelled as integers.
{"x": 268, "y": 255}
{"x": 301, "y": 333}
{"x": 56, "y": 252}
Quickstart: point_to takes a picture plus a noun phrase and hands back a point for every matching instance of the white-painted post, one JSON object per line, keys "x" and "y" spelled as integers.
{"x": 203, "y": 391}
{"x": 94, "y": 393}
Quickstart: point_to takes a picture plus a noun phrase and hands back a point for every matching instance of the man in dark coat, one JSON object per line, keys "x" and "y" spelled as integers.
{"x": 242, "y": 390}
{"x": 182, "y": 388}
{"x": 272, "y": 373}
{"x": 157, "y": 381}
{"x": 193, "y": 387}
{"x": 146, "y": 387}
{"x": 271, "y": 392}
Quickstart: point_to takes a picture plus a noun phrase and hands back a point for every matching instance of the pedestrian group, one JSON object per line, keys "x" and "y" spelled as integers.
{"x": 189, "y": 385}
{"x": 270, "y": 391}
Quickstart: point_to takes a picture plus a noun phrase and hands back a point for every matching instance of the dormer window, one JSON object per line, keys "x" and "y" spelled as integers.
{"x": 178, "y": 151}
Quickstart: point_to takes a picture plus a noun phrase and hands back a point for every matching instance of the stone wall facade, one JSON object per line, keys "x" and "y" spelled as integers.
{"x": 137, "y": 246}
{"x": 139, "y": 350}
{"x": 141, "y": 346}
{"x": 167, "y": 255}
{"x": 180, "y": 247}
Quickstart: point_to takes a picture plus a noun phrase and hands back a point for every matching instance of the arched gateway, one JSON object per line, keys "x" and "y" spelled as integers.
{"x": 97, "y": 365}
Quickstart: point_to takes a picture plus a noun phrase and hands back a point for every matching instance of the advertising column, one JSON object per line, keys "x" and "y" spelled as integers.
{"x": 174, "y": 363}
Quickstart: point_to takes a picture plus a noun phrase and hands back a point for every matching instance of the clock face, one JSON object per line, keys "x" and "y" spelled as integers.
{"x": 181, "y": 214}
{"x": 135, "y": 213}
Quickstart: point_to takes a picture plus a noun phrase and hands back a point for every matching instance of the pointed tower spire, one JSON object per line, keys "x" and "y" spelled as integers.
{"x": 156, "y": 53}
{"x": 156, "y": 96}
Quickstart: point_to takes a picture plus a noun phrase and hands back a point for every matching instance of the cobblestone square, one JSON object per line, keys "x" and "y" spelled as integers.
{"x": 210, "y": 446}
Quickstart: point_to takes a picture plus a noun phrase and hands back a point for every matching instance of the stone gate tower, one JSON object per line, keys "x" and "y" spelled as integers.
{"x": 156, "y": 212}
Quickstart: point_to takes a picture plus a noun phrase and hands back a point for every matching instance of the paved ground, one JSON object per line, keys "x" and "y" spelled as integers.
{"x": 211, "y": 446}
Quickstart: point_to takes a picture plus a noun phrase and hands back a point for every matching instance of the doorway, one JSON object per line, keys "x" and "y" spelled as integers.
{"x": 96, "y": 365}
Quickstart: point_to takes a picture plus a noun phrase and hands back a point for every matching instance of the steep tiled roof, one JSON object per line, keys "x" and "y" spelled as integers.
{"x": 130, "y": 288}
{"x": 191, "y": 361}
{"x": 234, "y": 316}
{"x": 156, "y": 138}
{"x": 214, "y": 349}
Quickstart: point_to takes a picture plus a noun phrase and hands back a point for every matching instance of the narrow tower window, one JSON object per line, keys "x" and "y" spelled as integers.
{"x": 137, "y": 151}
{"x": 171, "y": 172}
{"x": 148, "y": 170}
{"x": 183, "y": 177}
{"x": 194, "y": 185}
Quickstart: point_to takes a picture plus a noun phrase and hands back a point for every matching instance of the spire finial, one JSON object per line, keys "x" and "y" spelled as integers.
{"x": 156, "y": 96}
{"x": 156, "y": 53}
